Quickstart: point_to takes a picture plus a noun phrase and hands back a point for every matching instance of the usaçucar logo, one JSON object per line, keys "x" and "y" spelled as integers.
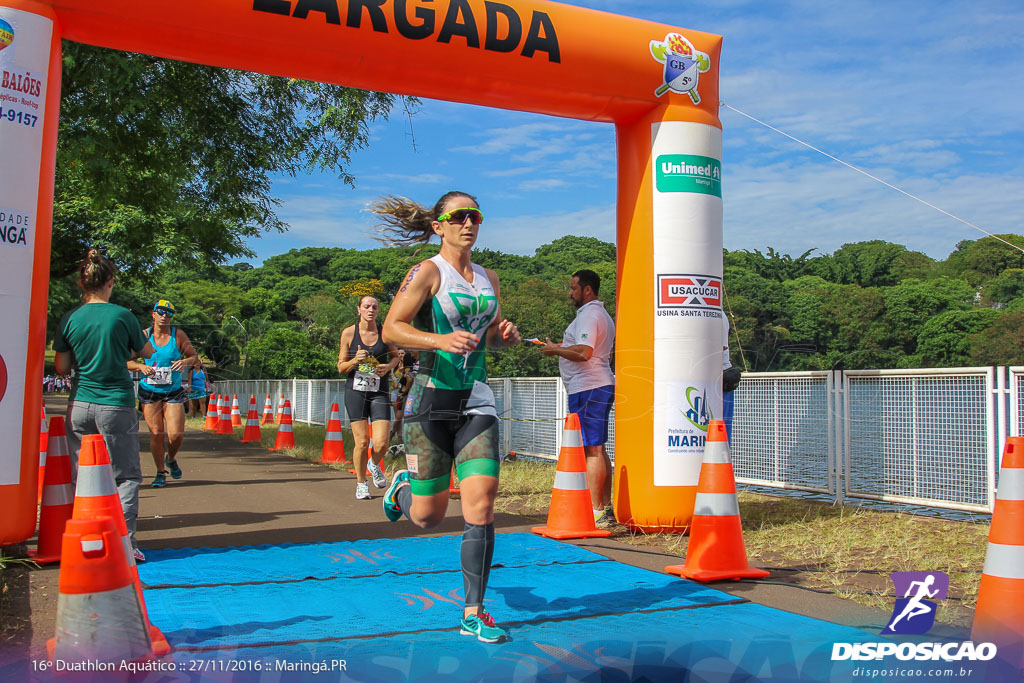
{"x": 683, "y": 65}
{"x": 6, "y": 34}
{"x": 913, "y": 613}
{"x": 689, "y": 291}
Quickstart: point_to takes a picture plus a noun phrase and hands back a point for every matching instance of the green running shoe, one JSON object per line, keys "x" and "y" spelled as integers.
{"x": 175, "y": 468}
{"x": 391, "y": 509}
{"x": 482, "y": 626}
{"x": 160, "y": 480}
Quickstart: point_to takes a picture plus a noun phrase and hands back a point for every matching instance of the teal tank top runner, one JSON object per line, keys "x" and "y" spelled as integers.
{"x": 164, "y": 380}
{"x": 458, "y": 305}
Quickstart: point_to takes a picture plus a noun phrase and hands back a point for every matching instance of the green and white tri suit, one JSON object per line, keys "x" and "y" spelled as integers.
{"x": 450, "y": 416}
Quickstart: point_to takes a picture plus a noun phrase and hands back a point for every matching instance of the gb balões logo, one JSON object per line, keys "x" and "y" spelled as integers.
{"x": 6, "y": 34}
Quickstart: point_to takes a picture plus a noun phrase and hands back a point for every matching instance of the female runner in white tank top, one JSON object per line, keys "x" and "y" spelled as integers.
{"x": 448, "y": 307}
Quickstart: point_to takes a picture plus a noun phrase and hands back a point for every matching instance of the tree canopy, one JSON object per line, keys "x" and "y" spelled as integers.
{"x": 285, "y": 317}
{"x": 164, "y": 162}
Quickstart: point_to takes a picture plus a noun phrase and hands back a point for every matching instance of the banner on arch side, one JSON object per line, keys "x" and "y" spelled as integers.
{"x": 688, "y": 330}
{"x": 24, "y": 64}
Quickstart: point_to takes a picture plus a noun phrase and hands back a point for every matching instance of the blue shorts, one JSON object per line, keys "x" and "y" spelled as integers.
{"x": 593, "y": 407}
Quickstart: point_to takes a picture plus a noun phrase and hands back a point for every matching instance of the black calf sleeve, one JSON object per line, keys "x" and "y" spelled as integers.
{"x": 477, "y": 551}
{"x": 404, "y": 497}
{"x": 490, "y": 553}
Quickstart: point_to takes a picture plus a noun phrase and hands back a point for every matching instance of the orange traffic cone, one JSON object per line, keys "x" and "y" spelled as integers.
{"x": 99, "y": 617}
{"x": 42, "y": 452}
{"x": 334, "y": 441}
{"x": 212, "y": 415}
{"x": 252, "y": 423}
{"x": 570, "y": 514}
{"x": 285, "y": 437}
{"x": 95, "y": 496}
{"x": 58, "y": 495}
{"x": 280, "y": 409}
{"x": 224, "y": 422}
{"x": 453, "y": 486}
{"x": 268, "y": 412}
{"x": 716, "y": 551}
{"x": 236, "y": 413}
{"x": 997, "y": 616}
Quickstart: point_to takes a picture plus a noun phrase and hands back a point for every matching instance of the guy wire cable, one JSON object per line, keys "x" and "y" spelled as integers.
{"x": 863, "y": 172}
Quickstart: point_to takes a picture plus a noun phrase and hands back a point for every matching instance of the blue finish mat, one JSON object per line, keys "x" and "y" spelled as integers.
{"x": 313, "y": 610}
{"x": 731, "y": 643}
{"x": 294, "y": 562}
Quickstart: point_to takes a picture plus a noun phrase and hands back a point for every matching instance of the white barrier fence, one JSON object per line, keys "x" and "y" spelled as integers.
{"x": 928, "y": 437}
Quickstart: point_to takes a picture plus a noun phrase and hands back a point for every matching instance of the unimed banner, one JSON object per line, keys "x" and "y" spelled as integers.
{"x": 24, "y": 60}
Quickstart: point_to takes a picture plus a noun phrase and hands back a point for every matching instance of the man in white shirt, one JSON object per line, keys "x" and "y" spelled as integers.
{"x": 583, "y": 362}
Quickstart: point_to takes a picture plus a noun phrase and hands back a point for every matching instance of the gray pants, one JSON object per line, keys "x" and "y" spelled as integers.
{"x": 119, "y": 426}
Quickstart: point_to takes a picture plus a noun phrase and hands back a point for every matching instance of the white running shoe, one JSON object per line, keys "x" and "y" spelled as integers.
{"x": 362, "y": 491}
{"x": 379, "y": 480}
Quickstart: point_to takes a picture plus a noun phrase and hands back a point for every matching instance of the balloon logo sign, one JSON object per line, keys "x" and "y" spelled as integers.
{"x": 683, "y": 65}
{"x": 6, "y": 34}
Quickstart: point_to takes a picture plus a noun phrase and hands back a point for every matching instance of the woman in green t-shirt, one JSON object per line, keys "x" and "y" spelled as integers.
{"x": 96, "y": 339}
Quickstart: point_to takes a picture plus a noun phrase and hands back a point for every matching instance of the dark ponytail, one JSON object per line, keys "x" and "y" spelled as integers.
{"x": 95, "y": 272}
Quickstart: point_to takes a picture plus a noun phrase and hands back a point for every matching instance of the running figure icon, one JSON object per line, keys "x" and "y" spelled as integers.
{"x": 918, "y": 590}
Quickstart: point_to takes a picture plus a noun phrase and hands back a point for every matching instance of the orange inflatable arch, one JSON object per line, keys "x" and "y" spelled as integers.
{"x": 657, "y": 83}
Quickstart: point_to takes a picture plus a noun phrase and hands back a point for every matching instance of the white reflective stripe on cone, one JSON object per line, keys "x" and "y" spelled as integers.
{"x": 95, "y": 480}
{"x": 57, "y": 446}
{"x": 717, "y": 453}
{"x": 571, "y": 481}
{"x": 284, "y": 428}
{"x": 716, "y": 505}
{"x": 105, "y": 626}
{"x": 127, "y": 543}
{"x": 334, "y": 436}
{"x": 571, "y": 438}
{"x": 58, "y": 494}
{"x": 1011, "y": 484}
{"x": 335, "y": 415}
{"x": 1004, "y": 561}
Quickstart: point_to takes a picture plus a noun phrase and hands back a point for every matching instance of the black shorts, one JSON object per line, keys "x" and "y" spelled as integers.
{"x": 177, "y": 396}
{"x": 440, "y": 432}
{"x": 367, "y": 405}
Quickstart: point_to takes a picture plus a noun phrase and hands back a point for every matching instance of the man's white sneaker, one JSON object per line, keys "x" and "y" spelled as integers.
{"x": 379, "y": 480}
{"x": 362, "y": 491}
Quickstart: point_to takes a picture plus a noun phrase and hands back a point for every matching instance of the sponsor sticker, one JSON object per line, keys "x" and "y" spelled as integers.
{"x": 688, "y": 173}
{"x": 690, "y": 291}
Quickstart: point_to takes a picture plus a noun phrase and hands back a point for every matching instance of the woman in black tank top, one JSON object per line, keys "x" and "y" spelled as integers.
{"x": 368, "y": 362}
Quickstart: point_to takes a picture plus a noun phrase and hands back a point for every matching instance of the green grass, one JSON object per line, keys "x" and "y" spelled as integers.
{"x": 848, "y": 551}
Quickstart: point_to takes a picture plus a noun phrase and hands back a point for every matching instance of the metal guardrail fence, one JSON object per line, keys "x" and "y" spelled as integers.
{"x": 928, "y": 437}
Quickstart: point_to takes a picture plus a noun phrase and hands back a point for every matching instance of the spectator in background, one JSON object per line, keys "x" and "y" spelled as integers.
{"x": 405, "y": 374}
{"x": 199, "y": 388}
{"x": 730, "y": 379}
{"x": 161, "y": 390}
{"x": 96, "y": 339}
{"x": 584, "y": 364}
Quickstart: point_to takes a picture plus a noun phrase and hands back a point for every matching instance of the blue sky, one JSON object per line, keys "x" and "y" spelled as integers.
{"x": 928, "y": 96}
